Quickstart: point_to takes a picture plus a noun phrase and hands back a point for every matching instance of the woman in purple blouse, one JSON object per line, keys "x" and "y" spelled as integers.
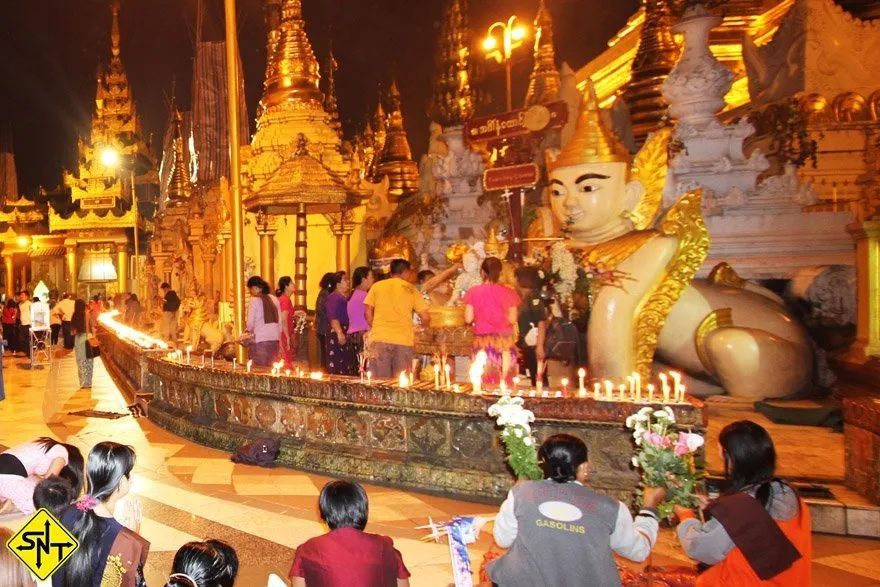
{"x": 341, "y": 357}
{"x": 362, "y": 281}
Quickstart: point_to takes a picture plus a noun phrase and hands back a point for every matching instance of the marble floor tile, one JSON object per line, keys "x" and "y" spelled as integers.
{"x": 191, "y": 492}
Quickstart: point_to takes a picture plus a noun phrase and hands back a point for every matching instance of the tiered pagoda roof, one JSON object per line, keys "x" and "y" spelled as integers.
{"x": 292, "y": 122}
{"x": 396, "y": 161}
{"x": 544, "y": 81}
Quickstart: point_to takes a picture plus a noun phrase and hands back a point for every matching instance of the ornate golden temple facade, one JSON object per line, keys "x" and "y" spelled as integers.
{"x": 83, "y": 240}
{"x": 296, "y": 169}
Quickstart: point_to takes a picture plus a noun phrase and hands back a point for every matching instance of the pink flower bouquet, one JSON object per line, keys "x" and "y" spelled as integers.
{"x": 666, "y": 456}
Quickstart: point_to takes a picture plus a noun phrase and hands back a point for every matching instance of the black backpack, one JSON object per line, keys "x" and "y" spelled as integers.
{"x": 261, "y": 452}
{"x": 561, "y": 342}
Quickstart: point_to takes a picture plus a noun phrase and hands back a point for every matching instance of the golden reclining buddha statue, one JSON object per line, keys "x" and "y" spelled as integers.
{"x": 723, "y": 331}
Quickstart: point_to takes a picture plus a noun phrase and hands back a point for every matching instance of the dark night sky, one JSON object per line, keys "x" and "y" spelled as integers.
{"x": 51, "y": 50}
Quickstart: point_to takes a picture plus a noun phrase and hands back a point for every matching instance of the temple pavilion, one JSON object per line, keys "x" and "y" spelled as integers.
{"x": 85, "y": 238}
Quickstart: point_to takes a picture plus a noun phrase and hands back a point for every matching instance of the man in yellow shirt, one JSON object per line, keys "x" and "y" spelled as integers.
{"x": 388, "y": 308}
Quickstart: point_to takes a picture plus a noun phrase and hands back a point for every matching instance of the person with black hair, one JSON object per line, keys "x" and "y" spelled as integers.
{"x": 560, "y": 533}
{"x": 23, "y": 466}
{"x": 347, "y": 555}
{"x": 263, "y": 323}
{"x": 81, "y": 327}
{"x": 492, "y": 309}
{"x": 209, "y": 563}
{"x": 55, "y": 494}
{"x": 341, "y": 358}
{"x": 66, "y": 307}
{"x": 107, "y": 549}
{"x": 759, "y": 532}
{"x": 389, "y": 308}
{"x": 327, "y": 284}
{"x": 24, "y": 323}
{"x": 283, "y": 293}
{"x": 363, "y": 279}
{"x": 532, "y": 320}
{"x": 10, "y": 314}
{"x": 170, "y": 307}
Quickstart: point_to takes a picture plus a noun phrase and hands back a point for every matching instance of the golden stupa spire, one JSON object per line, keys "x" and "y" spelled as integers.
{"x": 456, "y": 95}
{"x": 114, "y": 30}
{"x": 544, "y": 81}
{"x": 656, "y": 56}
{"x": 593, "y": 141}
{"x": 330, "y": 103}
{"x": 293, "y": 73}
{"x": 179, "y": 186}
{"x": 396, "y": 161}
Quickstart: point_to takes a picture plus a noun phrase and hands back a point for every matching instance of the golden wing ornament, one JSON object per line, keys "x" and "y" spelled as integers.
{"x": 649, "y": 168}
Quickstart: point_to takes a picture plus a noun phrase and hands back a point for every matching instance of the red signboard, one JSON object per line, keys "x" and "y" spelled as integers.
{"x": 517, "y": 122}
{"x": 513, "y": 176}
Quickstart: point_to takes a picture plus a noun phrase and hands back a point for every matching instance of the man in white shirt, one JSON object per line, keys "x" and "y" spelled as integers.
{"x": 66, "y": 307}
{"x": 24, "y": 318}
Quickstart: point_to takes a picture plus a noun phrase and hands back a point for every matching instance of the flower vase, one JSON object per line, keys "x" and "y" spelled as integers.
{"x": 697, "y": 84}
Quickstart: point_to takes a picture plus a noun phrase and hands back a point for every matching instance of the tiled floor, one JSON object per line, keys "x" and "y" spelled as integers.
{"x": 189, "y": 491}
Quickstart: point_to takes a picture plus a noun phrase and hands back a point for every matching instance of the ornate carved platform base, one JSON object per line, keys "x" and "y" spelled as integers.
{"x": 421, "y": 439}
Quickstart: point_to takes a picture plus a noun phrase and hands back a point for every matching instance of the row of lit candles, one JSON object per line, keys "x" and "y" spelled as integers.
{"x": 602, "y": 391}
{"x": 129, "y": 334}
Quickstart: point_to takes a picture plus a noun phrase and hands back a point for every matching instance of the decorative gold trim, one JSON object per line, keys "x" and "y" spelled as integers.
{"x": 649, "y": 168}
{"x": 724, "y": 274}
{"x": 685, "y": 222}
{"x": 720, "y": 318}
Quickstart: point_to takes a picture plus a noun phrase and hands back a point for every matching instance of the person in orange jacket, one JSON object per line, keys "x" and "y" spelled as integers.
{"x": 758, "y": 532}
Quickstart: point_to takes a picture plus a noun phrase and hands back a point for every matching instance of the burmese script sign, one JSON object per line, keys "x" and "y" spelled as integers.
{"x": 513, "y": 176}
{"x": 517, "y": 122}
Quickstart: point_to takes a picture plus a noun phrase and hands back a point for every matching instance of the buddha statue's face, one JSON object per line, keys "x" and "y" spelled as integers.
{"x": 592, "y": 197}
{"x": 471, "y": 263}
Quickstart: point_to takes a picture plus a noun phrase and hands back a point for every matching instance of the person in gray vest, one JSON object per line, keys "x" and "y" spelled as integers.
{"x": 560, "y": 533}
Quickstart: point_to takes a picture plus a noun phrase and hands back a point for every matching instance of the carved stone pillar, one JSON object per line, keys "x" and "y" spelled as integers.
{"x": 867, "y": 237}
{"x": 122, "y": 267}
{"x": 300, "y": 260}
{"x": 72, "y": 269}
{"x": 266, "y": 229}
{"x": 24, "y": 275}
{"x": 208, "y": 259}
{"x": 10, "y": 275}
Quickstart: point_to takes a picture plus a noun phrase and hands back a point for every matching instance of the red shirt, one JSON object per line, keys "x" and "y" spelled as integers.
{"x": 345, "y": 557}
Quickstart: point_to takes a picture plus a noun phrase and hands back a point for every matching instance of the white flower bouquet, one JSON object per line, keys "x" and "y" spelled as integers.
{"x": 666, "y": 456}
{"x": 516, "y": 433}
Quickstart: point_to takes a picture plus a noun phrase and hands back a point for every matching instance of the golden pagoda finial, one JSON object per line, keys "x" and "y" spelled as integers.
{"x": 179, "y": 186}
{"x": 114, "y": 30}
{"x": 396, "y": 161}
{"x": 293, "y": 74}
{"x": 656, "y": 56}
{"x": 544, "y": 81}
{"x": 593, "y": 141}
{"x": 456, "y": 93}
{"x": 330, "y": 103}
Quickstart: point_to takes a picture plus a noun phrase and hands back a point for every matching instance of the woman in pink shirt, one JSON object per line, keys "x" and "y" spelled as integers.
{"x": 492, "y": 309}
{"x": 25, "y": 465}
{"x": 361, "y": 280}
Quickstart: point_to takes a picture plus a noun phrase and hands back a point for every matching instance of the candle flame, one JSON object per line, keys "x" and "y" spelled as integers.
{"x": 403, "y": 380}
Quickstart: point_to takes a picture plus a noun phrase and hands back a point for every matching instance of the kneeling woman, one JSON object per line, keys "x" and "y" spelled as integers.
{"x": 562, "y": 534}
{"x": 759, "y": 533}
{"x": 109, "y": 554}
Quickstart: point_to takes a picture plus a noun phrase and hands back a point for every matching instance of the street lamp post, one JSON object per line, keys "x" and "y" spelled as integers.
{"x": 512, "y": 35}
